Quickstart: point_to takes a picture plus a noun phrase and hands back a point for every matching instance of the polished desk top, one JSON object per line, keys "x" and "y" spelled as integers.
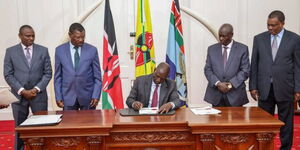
{"x": 95, "y": 122}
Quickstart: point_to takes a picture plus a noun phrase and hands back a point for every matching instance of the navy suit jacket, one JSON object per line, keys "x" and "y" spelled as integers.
{"x": 84, "y": 83}
{"x": 285, "y": 70}
{"x": 236, "y": 72}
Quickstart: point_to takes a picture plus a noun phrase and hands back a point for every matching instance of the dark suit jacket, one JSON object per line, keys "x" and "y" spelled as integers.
{"x": 285, "y": 70}
{"x": 17, "y": 72}
{"x": 236, "y": 72}
{"x": 142, "y": 87}
{"x": 84, "y": 83}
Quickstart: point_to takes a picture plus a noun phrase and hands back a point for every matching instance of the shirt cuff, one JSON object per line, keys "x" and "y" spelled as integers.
{"x": 39, "y": 90}
{"x": 20, "y": 90}
{"x": 216, "y": 84}
{"x": 173, "y": 105}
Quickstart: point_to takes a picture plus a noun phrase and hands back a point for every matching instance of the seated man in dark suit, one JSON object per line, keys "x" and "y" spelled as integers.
{"x": 154, "y": 90}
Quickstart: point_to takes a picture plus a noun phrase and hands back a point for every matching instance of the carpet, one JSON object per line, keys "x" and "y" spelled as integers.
{"x": 7, "y": 135}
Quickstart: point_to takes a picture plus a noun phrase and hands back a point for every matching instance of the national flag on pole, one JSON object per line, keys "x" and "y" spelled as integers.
{"x": 175, "y": 52}
{"x": 144, "y": 56}
{"x": 112, "y": 97}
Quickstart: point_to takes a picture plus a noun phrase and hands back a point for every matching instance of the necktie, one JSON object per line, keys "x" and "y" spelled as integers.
{"x": 274, "y": 47}
{"x": 76, "y": 57}
{"x": 28, "y": 56}
{"x": 155, "y": 97}
{"x": 225, "y": 56}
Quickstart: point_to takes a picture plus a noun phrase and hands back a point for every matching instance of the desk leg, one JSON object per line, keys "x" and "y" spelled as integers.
{"x": 34, "y": 143}
{"x": 265, "y": 141}
{"x": 207, "y": 141}
{"x": 95, "y": 142}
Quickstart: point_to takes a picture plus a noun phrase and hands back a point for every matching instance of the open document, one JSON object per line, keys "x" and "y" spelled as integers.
{"x": 152, "y": 110}
{"x": 6, "y": 97}
{"x": 35, "y": 120}
{"x": 205, "y": 111}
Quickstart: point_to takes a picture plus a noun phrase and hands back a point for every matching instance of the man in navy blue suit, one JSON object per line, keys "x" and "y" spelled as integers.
{"x": 77, "y": 78}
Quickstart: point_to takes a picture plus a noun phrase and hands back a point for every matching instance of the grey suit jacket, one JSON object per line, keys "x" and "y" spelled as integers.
{"x": 141, "y": 92}
{"x": 236, "y": 72}
{"x": 17, "y": 72}
{"x": 285, "y": 70}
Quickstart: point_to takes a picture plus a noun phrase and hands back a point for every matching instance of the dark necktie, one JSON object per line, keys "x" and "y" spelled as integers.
{"x": 155, "y": 96}
{"x": 76, "y": 57}
{"x": 274, "y": 47}
{"x": 28, "y": 56}
{"x": 225, "y": 56}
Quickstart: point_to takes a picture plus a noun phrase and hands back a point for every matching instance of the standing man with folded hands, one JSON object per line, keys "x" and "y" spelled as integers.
{"x": 27, "y": 70}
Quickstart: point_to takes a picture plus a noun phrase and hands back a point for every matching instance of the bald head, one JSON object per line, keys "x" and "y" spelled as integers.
{"x": 225, "y": 34}
{"x": 161, "y": 73}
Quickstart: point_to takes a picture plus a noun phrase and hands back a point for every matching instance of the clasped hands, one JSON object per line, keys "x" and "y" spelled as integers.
{"x": 29, "y": 94}
{"x": 224, "y": 87}
{"x": 165, "y": 108}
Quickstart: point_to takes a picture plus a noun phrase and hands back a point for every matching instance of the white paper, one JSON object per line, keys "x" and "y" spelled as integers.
{"x": 6, "y": 97}
{"x": 41, "y": 120}
{"x": 152, "y": 110}
{"x": 204, "y": 111}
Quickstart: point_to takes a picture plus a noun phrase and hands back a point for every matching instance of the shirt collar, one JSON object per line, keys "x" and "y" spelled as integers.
{"x": 280, "y": 34}
{"x": 23, "y": 46}
{"x": 72, "y": 46}
{"x": 229, "y": 45}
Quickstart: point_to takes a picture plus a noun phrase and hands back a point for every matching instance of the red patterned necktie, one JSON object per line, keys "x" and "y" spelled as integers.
{"x": 155, "y": 96}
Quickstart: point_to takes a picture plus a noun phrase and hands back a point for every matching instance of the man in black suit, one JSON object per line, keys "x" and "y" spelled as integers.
{"x": 154, "y": 90}
{"x": 275, "y": 73}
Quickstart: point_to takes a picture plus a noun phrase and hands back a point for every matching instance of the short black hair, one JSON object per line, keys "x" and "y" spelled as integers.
{"x": 277, "y": 14}
{"x": 76, "y": 26}
{"x": 24, "y": 27}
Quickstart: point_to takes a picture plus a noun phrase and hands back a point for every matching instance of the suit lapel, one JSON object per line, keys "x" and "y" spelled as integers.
{"x": 34, "y": 55}
{"x": 267, "y": 42}
{"x": 67, "y": 52}
{"x": 22, "y": 55}
{"x": 283, "y": 44}
{"x": 219, "y": 57}
{"x": 162, "y": 93}
{"x": 232, "y": 54}
{"x": 147, "y": 89}
{"x": 82, "y": 55}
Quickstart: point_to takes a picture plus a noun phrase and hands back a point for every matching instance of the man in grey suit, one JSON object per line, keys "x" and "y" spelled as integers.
{"x": 154, "y": 90}
{"x": 226, "y": 69}
{"x": 27, "y": 70}
{"x": 275, "y": 73}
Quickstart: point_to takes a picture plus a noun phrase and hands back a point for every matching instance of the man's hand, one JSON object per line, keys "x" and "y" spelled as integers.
{"x": 137, "y": 105}
{"x": 3, "y": 106}
{"x": 94, "y": 103}
{"x": 165, "y": 108}
{"x": 60, "y": 103}
{"x": 296, "y": 96}
{"x": 28, "y": 94}
{"x": 222, "y": 86}
{"x": 254, "y": 94}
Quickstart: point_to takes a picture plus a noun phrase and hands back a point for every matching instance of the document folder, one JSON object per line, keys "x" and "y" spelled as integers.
{"x": 38, "y": 120}
{"x": 132, "y": 112}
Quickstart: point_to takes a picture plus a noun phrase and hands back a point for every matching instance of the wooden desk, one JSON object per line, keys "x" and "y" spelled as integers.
{"x": 235, "y": 128}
